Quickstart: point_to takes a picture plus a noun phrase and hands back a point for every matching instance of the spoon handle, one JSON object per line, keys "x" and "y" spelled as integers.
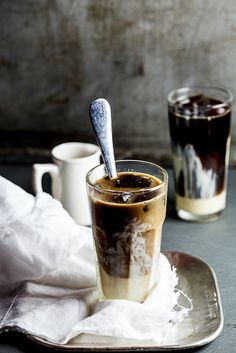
{"x": 100, "y": 115}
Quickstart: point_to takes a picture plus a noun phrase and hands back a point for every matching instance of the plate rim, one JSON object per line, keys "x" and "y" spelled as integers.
{"x": 152, "y": 347}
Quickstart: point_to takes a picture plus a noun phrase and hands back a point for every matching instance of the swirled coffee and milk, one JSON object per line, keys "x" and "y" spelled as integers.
{"x": 200, "y": 136}
{"x": 127, "y": 217}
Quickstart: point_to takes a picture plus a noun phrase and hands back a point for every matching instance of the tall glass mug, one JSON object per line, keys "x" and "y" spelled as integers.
{"x": 127, "y": 217}
{"x": 199, "y": 122}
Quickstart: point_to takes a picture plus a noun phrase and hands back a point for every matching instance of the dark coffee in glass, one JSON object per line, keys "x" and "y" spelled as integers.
{"x": 199, "y": 122}
{"x": 127, "y": 218}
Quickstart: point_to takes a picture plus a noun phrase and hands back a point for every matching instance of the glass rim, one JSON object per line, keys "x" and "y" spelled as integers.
{"x": 187, "y": 89}
{"x": 117, "y": 192}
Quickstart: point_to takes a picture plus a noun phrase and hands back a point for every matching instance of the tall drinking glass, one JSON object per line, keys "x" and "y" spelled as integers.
{"x": 127, "y": 217}
{"x": 199, "y": 121}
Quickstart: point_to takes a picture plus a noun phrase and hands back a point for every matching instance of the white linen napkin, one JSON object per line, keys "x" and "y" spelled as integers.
{"x": 48, "y": 278}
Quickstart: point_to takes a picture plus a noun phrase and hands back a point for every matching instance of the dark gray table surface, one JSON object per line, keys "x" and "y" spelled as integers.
{"x": 214, "y": 242}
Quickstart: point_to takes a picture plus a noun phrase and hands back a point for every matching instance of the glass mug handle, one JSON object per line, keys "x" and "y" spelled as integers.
{"x": 39, "y": 170}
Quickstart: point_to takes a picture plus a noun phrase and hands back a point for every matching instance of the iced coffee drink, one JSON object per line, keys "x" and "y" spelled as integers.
{"x": 127, "y": 217}
{"x": 199, "y": 121}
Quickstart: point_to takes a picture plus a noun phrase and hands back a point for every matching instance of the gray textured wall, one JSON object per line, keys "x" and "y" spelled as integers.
{"x": 58, "y": 55}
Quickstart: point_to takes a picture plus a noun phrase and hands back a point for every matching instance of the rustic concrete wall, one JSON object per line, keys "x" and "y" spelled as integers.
{"x": 58, "y": 55}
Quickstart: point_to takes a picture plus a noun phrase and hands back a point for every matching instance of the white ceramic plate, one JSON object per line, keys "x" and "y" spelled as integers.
{"x": 203, "y": 324}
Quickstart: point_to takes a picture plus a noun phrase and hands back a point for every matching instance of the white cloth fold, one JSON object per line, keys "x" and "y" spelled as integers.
{"x": 48, "y": 277}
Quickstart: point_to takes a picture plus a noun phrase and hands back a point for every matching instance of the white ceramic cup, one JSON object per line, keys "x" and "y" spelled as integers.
{"x": 72, "y": 161}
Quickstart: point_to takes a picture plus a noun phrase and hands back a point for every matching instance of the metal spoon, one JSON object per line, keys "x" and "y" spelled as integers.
{"x": 100, "y": 116}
